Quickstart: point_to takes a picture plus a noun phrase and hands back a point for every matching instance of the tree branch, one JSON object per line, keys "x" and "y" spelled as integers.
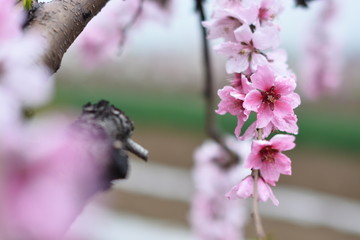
{"x": 210, "y": 121}
{"x": 60, "y": 22}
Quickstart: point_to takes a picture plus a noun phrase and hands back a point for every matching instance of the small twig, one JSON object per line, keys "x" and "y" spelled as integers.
{"x": 210, "y": 125}
{"x": 132, "y": 21}
{"x": 257, "y": 218}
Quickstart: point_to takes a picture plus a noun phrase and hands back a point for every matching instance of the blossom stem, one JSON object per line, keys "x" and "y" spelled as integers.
{"x": 256, "y": 214}
{"x": 257, "y": 219}
{"x": 209, "y": 92}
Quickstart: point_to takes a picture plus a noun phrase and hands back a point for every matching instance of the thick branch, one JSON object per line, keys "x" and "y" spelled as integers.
{"x": 60, "y": 22}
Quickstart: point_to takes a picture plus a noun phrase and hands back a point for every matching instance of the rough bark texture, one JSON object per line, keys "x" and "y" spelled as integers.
{"x": 60, "y": 22}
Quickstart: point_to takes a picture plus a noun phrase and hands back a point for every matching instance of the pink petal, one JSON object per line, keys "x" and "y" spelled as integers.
{"x": 246, "y": 188}
{"x": 283, "y": 163}
{"x": 231, "y": 195}
{"x": 282, "y": 109}
{"x": 266, "y": 37}
{"x": 285, "y": 85}
{"x": 229, "y": 48}
{"x": 240, "y": 123}
{"x": 237, "y": 64}
{"x": 267, "y": 130}
{"x": 293, "y": 99}
{"x": 270, "y": 172}
{"x": 252, "y": 100}
{"x": 222, "y": 28}
{"x": 254, "y": 159}
{"x": 236, "y": 94}
{"x": 265, "y": 192}
{"x": 246, "y": 14}
{"x": 249, "y": 133}
{"x": 242, "y": 84}
{"x": 231, "y": 101}
{"x": 287, "y": 124}
{"x": 243, "y": 34}
{"x": 263, "y": 79}
{"x": 283, "y": 142}
{"x": 257, "y": 60}
{"x": 264, "y": 116}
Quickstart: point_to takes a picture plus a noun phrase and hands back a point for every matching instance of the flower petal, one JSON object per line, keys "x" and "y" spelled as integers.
{"x": 293, "y": 99}
{"x": 283, "y": 163}
{"x": 237, "y": 64}
{"x": 243, "y": 34}
{"x": 266, "y": 37}
{"x": 252, "y": 100}
{"x": 283, "y": 142}
{"x": 263, "y": 79}
{"x": 264, "y": 116}
{"x": 282, "y": 108}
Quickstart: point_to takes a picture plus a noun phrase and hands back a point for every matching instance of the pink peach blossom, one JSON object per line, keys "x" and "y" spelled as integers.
{"x": 251, "y": 131}
{"x": 269, "y": 9}
{"x": 245, "y": 189}
{"x": 232, "y": 102}
{"x": 268, "y": 157}
{"x": 246, "y": 51}
{"x": 11, "y": 19}
{"x": 241, "y": 83}
{"x": 226, "y": 20}
{"x": 273, "y": 99}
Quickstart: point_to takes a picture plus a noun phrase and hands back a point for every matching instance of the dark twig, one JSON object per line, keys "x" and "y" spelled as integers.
{"x": 210, "y": 125}
{"x": 132, "y": 21}
{"x": 302, "y": 3}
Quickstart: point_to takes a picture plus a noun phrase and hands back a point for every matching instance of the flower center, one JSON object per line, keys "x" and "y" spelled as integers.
{"x": 238, "y": 103}
{"x": 270, "y": 97}
{"x": 268, "y": 154}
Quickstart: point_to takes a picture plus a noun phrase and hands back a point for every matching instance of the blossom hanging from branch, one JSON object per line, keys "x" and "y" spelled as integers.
{"x": 262, "y": 84}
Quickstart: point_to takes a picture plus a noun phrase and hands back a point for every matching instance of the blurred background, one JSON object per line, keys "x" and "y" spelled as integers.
{"x": 157, "y": 81}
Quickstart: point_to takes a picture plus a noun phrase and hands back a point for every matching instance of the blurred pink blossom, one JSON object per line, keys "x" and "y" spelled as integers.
{"x": 10, "y": 113}
{"x": 269, "y": 10}
{"x": 51, "y": 172}
{"x": 20, "y": 72}
{"x": 213, "y": 217}
{"x": 11, "y": 19}
{"x": 323, "y": 60}
{"x": 104, "y": 36}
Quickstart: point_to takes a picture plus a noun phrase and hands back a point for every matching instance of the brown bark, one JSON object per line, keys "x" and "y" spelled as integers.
{"x": 60, "y": 22}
